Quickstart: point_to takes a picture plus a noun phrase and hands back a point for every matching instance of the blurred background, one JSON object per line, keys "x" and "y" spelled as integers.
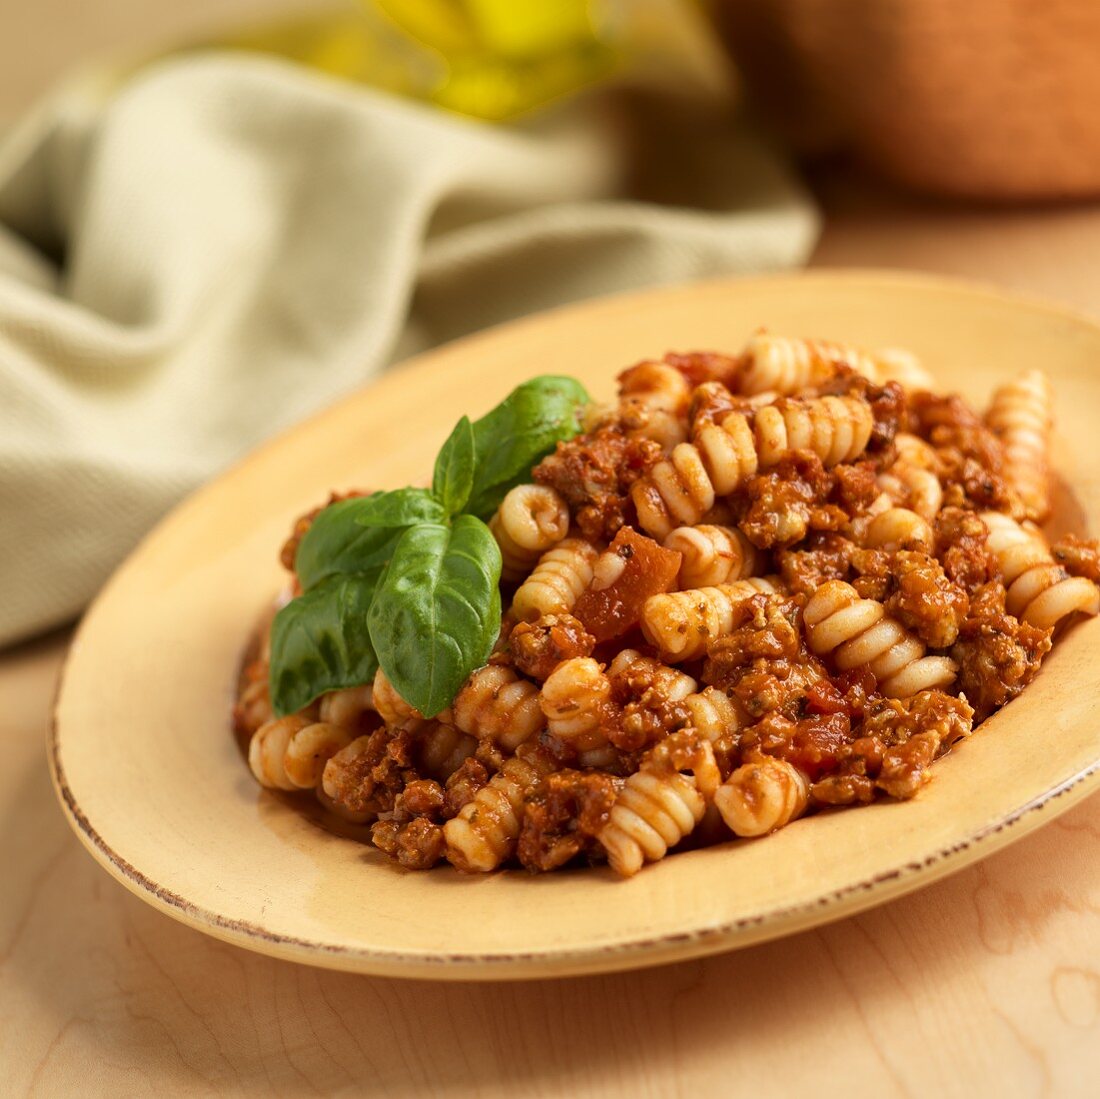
{"x": 994, "y": 99}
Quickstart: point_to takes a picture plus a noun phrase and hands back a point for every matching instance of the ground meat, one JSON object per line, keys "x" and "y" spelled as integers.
{"x": 873, "y": 577}
{"x": 850, "y": 692}
{"x": 888, "y": 402}
{"x": 423, "y": 797}
{"x": 1078, "y": 557}
{"x": 594, "y": 473}
{"x": 369, "y": 780}
{"x": 813, "y": 744}
{"x": 827, "y": 556}
{"x": 892, "y": 721}
{"x": 786, "y": 502}
{"x": 906, "y": 768}
{"x": 763, "y": 663}
{"x": 538, "y": 647}
{"x": 641, "y": 711}
{"x": 925, "y": 600}
{"x": 565, "y": 818}
{"x": 464, "y": 784}
{"x": 998, "y": 656}
{"x": 969, "y": 483}
{"x": 711, "y": 402}
{"x": 843, "y": 789}
{"x": 928, "y": 411}
{"x": 900, "y": 738}
{"x": 761, "y": 626}
{"x": 289, "y": 550}
{"x": 961, "y": 547}
{"x": 705, "y": 366}
{"x": 416, "y": 845}
{"x": 855, "y": 488}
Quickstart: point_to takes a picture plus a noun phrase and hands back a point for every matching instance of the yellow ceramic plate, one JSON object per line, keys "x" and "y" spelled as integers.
{"x": 156, "y": 788}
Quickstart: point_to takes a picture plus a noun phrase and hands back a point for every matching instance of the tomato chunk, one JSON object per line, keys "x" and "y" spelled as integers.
{"x": 632, "y": 569}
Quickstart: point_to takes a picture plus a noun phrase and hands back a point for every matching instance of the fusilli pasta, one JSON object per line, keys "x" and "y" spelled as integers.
{"x": 660, "y": 804}
{"x": 681, "y": 489}
{"x": 484, "y": 832}
{"x": 760, "y": 797}
{"x": 859, "y": 632}
{"x": 1040, "y": 591}
{"x": 530, "y": 519}
{"x": 713, "y": 555}
{"x": 560, "y": 576}
{"x": 682, "y": 624}
{"x": 1021, "y": 415}
{"x": 496, "y": 704}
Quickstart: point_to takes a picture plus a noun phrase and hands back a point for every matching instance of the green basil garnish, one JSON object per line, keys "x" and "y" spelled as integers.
{"x": 409, "y": 579}
{"x": 518, "y": 433}
{"x": 453, "y": 479}
{"x": 401, "y": 508}
{"x": 320, "y": 642}
{"x": 338, "y": 543}
{"x": 436, "y": 612}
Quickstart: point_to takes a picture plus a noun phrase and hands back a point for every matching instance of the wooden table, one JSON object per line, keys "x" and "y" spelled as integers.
{"x": 987, "y": 983}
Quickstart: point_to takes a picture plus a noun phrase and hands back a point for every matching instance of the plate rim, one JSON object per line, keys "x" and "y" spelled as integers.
{"x": 668, "y": 948}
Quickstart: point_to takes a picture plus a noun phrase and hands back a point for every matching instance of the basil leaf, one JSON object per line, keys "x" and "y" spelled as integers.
{"x": 518, "y": 433}
{"x": 320, "y": 642}
{"x": 454, "y": 468}
{"x": 401, "y": 508}
{"x": 436, "y": 613}
{"x": 337, "y": 543}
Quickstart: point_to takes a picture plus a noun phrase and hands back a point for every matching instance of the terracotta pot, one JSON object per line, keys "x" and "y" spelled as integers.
{"x": 980, "y": 98}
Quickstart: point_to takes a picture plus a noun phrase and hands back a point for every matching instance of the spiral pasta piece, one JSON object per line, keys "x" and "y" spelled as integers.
{"x": 484, "y": 832}
{"x": 858, "y": 632}
{"x": 760, "y": 797}
{"x": 712, "y": 555}
{"x": 836, "y": 429}
{"x": 267, "y": 750}
{"x": 349, "y": 706}
{"x": 658, "y": 395}
{"x": 290, "y": 753}
{"x": 914, "y": 451}
{"x": 913, "y": 487}
{"x": 681, "y": 489}
{"x": 391, "y": 707}
{"x": 643, "y": 673}
{"x": 574, "y": 700}
{"x": 1040, "y": 591}
{"x": 310, "y": 748}
{"x": 659, "y": 804}
{"x": 530, "y": 520}
{"x": 557, "y": 581}
{"x": 495, "y": 703}
{"x": 1021, "y": 415}
{"x": 441, "y": 749}
{"x": 788, "y": 364}
{"x": 714, "y": 714}
{"x": 899, "y": 528}
{"x": 681, "y": 624}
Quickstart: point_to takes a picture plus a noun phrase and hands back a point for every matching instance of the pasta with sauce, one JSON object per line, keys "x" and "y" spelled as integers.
{"x": 755, "y": 586}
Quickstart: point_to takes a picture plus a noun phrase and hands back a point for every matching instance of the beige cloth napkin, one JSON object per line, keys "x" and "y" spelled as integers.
{"x": 225, "y": 243}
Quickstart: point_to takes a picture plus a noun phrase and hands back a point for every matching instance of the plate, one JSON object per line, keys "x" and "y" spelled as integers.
{"x": 154, "y": 784}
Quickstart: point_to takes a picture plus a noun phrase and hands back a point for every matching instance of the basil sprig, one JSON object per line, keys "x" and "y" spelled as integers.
{"x": 409, "y": 579}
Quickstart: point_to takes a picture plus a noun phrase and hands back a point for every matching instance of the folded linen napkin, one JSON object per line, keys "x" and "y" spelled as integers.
{"x": 225, "y": 243}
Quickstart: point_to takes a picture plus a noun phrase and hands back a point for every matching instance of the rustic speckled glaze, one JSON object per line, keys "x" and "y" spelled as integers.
{"x": 155, "y": 786}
